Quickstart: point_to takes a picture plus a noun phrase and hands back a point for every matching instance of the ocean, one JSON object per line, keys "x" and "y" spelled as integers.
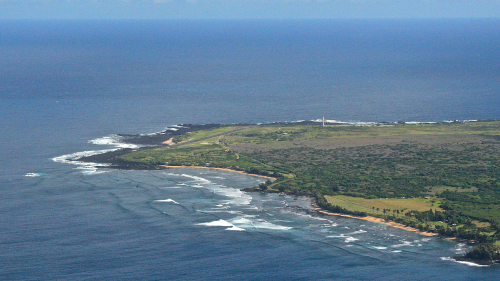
{"x": 68, "y": 87}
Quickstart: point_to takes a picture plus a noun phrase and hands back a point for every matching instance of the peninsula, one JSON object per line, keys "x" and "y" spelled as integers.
{"x": 438, "y": 178}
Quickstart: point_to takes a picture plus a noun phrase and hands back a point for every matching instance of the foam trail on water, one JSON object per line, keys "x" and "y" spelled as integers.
{"x": 167, "y": 201}
{"x": 405, "y": 244}
{"x": 245, "y": 222}
{"x": 34, "y": 174}
{"x": 90, "y": 170}
{"x": 220, "y": 222}
{"x": 350, "y": 239}
{"x": 173, "y": 187}
{"x": 223, "y": 223}
{"x": 237, "y": 196}
{"x": 358, "y": 232}
{"x": 197, "y": 179}
{"x": 468, "y": 263}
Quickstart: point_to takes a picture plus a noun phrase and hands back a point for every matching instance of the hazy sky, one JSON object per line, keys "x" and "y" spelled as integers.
{"x": 237, "y": 9}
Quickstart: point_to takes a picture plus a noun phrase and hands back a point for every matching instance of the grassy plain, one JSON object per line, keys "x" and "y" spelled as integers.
{"x": 376, "y": 206}
{"x": 203, "y": 134}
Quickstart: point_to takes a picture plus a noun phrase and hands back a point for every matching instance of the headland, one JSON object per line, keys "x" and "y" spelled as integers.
{"x": 435, "y": 178}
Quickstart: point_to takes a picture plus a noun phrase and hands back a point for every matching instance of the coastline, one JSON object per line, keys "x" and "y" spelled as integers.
{"x": 378, "y": 220}
{"x": 214, "y": 168}
{"x": 165, "y": 140}
{"x": 318, "y": 209}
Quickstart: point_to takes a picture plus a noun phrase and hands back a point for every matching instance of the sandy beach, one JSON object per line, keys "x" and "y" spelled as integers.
{"x": 169, "y": 142}
{"x": 379, "y": 220}
{"x": 319, "y": 210}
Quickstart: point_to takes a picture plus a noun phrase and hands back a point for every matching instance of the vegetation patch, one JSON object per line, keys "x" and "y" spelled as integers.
{"x": 442, "y": 177}
{"x": 397, "y": 207}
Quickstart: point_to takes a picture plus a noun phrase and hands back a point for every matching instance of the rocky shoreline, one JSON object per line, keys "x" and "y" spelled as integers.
{"x": 112, "y": 159}
{"x": 164, "y": 139}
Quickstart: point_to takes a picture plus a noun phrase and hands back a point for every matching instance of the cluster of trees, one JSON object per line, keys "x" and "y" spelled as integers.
{"x": 431, "y": 215}
{"x": 485, "y": 251}
{"x": 399, "y": 171}
{"x": 388, "y": 170}
{"x": 394, "y": 171}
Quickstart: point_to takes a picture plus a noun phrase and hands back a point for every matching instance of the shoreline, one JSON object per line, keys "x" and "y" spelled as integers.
{"x": 166, "y": 140}
{"x": 378, "y": 220}
{"x": 318, "y": 209}
{"x": 214, "y": 168}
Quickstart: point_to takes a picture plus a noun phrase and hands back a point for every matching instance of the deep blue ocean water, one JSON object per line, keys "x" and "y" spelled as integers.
{"x": 65, "y": 83}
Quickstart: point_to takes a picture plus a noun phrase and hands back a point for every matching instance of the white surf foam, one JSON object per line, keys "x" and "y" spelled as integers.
{"x": 405, "y": 244}
{"x": 268, "y": 225}
{"x": 91, "y": 168}
{"x": 220, "y": 222}
{"x": 235, "y": 228}
{"x": 221, "y": 208}
{"x": 242, "y": 221}
{"x": 237, "y": 196}
{"x": 34, "y": 174}
{"x": 245, "y": 222}
{"x": 468, "y": 263}
{"x": 223, "y": 223}
{"x": 460, "y": 248}
{"x": 350, "y": 239}
{"x": 379, "y": 248}
{"x": 73, "y": 157}
{"x": 347, "y": 239}
{"x": 113, "y": 140}
{"x": 336, "y": 236}
{"x": 198, "y": 180}
{"x": 167, "y": 201}
{"x": 358, "y": 232}
{"x": 172, "y": 187}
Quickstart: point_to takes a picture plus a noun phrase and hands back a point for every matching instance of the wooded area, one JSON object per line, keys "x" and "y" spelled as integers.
{"x": 456, "y": 164}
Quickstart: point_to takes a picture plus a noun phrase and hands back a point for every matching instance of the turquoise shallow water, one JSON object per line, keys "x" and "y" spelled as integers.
{"x": 64, "y": 84}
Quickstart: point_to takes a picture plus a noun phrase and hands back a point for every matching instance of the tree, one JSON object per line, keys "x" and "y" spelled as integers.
{"x": 485, "y": 251}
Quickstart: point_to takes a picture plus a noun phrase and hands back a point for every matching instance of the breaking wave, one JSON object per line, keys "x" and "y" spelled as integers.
{"x": 89, "y": 167}
{"x": 167, "y": 201}
{"x": 468, "y": 263}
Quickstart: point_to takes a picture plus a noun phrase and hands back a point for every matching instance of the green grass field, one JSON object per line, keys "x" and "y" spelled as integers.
{"x": 376, "y": 206}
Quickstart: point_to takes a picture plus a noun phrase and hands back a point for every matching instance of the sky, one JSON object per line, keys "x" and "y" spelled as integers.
{"x": 246, "y": 9}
